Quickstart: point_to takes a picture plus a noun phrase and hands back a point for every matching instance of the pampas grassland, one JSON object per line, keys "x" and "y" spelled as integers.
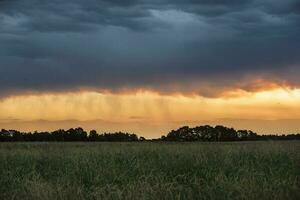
{"x": 241, "y": 170}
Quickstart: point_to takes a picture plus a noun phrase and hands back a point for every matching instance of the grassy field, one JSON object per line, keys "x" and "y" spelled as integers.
{"x": 253, "y": 170}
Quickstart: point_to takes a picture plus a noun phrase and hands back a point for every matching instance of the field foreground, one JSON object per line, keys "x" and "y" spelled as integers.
{"x": 253, "y": 170}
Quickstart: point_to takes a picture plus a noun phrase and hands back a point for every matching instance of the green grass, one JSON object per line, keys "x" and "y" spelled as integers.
{"x": 253, "y": 170}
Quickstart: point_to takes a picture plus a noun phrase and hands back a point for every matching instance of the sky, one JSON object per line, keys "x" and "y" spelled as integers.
{"x": 148, "y": 66}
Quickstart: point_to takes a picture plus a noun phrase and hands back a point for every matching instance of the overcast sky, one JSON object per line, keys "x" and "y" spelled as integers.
{"x": 183, "y": 46}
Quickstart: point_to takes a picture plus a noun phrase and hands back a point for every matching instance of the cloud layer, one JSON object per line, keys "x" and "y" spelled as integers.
{"x": 183, "y": 46}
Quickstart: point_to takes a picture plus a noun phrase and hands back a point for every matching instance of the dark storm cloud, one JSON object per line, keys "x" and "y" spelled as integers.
{"x": 203, "y": 47}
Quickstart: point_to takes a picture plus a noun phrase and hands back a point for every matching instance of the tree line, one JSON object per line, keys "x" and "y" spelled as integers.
{"x": 71, "y": 135}
{"x": 219, "y": 134}
{"x": 200, "y": 133}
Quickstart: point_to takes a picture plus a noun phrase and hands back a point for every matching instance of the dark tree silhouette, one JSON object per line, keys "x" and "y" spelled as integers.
{"x": 71, "y": 135}
{"x": 219, "y": 134}
{"x": 185, "y": 133}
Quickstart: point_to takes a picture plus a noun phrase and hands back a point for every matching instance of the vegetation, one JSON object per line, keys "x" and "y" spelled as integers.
{"x": 200, "y": 133}
{"x": 71, "y": 135}
{"x": 240, "y": 170}
{"x": 221, "y": 133}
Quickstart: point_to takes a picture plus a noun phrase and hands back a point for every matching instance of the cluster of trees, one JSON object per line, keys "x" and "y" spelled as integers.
{"x": 199, "y": 133}
{"x": 220, "y": 133}
{"x": 71, "y": 135}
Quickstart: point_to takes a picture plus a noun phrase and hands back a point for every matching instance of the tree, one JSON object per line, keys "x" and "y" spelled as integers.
{"x": 93, "y": 136}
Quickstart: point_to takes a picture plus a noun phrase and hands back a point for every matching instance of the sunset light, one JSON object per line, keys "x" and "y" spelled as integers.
{"x": 149, "y": 99}
{"x": 148, "y": 109}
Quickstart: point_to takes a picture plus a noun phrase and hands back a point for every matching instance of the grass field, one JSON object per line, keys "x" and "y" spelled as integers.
{"x": 253, "y": 170}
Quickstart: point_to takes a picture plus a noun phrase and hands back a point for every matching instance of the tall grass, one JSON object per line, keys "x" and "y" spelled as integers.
{"x": 254, "y": 170}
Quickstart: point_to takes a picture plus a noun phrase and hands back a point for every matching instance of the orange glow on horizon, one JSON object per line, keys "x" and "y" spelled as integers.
{"x": 147, "y": 107}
